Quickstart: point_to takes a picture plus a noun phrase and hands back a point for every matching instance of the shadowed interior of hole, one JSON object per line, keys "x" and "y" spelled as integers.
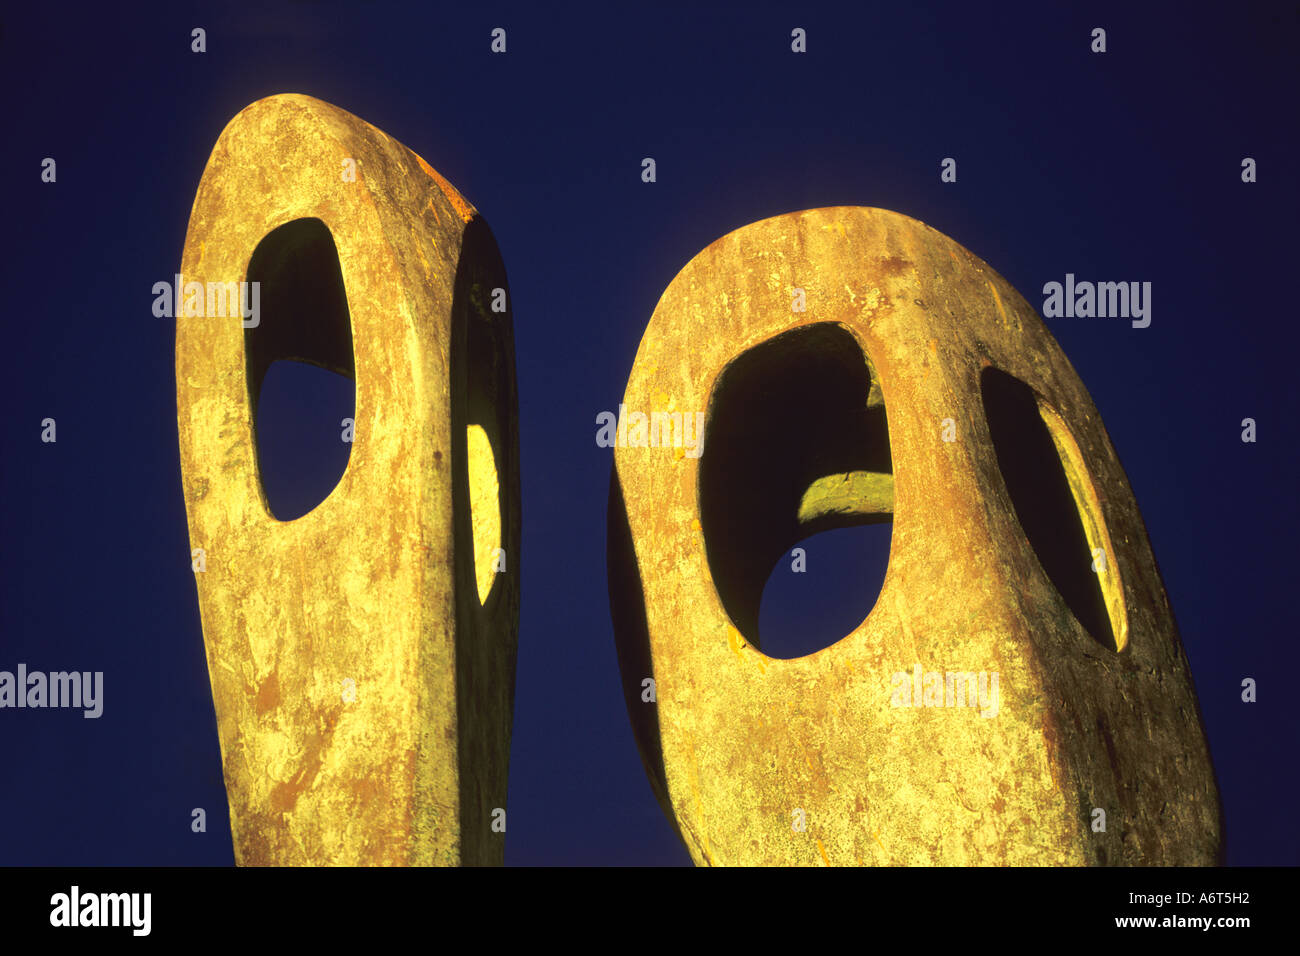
{"x": 796, "y": 443}
{"x": 299, "y": 367}
{"x": 1039, "y": 488}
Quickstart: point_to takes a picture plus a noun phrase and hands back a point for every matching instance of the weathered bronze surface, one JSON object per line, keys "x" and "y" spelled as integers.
{"x": 881, "y": 402}
{"x": 363, "y": 691}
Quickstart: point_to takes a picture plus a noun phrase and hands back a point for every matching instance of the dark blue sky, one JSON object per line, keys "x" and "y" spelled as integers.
{"x": 1122, "y": 166}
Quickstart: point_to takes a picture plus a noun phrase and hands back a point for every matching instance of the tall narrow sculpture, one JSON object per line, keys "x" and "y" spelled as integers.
{"x": 1017, "y": 695}
{"x": 362, "y": 656}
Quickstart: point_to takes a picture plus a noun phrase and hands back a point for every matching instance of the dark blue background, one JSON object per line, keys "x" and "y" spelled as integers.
{"x": 1117, "y": 166}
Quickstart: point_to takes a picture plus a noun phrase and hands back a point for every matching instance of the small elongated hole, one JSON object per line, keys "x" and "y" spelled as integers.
{"x": 1056, "y": 504}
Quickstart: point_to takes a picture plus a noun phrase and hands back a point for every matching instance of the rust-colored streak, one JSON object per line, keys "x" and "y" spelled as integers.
{"x": 458, "y": 202}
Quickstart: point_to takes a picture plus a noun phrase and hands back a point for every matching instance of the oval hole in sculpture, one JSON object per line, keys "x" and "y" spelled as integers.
{"x": 796, "y": 444}
{"x": 299, "y": 364}
{"x": 1056, "y": 504}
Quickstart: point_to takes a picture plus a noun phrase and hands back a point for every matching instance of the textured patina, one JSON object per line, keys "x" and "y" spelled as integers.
{"x": 363, "y": 692}
{"x": 742, "y": 748}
